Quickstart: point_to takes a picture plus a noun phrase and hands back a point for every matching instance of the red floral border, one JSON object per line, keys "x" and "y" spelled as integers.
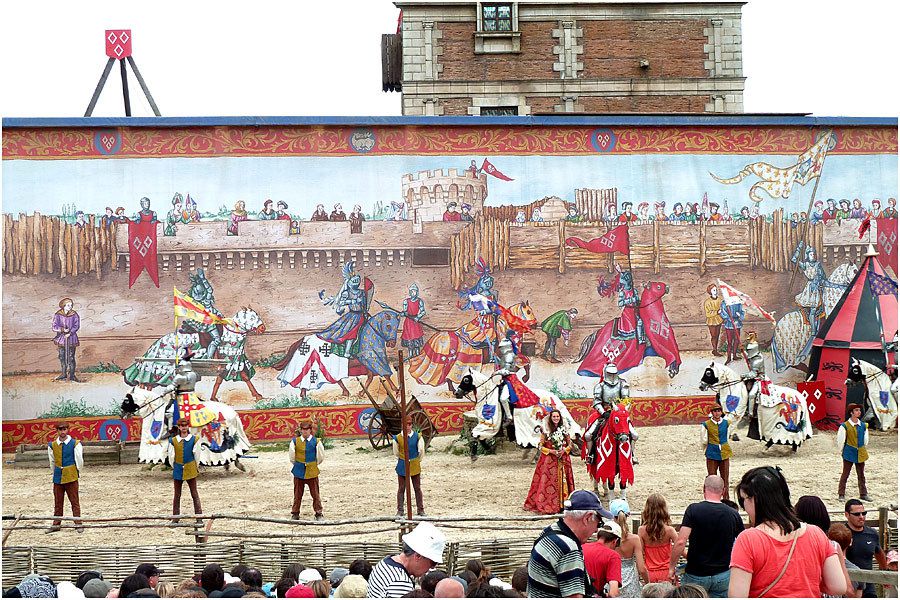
{"x": 151, "y": 142}
{"x": 342, "y": 421}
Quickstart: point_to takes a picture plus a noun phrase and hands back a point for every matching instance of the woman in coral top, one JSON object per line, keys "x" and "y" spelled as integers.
{"x": 657, "y": 535}
{"x": 553, "y": 479}
{"x": 779, "y": 557}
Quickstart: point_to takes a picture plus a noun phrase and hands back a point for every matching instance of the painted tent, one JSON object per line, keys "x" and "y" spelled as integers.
{"x": 858, "y": 327}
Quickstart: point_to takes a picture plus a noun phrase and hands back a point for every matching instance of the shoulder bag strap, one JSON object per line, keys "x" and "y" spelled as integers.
{"x": 784, "y": 568}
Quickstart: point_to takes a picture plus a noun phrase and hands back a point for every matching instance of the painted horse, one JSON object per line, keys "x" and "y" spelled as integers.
{"x": 311, "y": 362}
{"x": 447, "y": 355}
{"x": 613, "y": 454}
{"x": 880, "y": 395}
{"x": 489, "y": 391}
{"x": 793, "y": 336}
{"x": 614, "y": 343}
{"x": 781, "y": 414}
{"x": 150, "y": 374}
{"x": 222, "y": 441}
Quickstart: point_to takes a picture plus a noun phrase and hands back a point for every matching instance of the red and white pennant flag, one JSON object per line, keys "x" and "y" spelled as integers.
{"x": 490, "y": 169}
{"x": 731, "y": 295}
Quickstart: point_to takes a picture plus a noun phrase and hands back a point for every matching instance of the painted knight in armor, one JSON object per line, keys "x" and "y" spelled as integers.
{"x": 202, "y": 291}
{"x": 629, "y": 298}
{"x": 351, "y": 304}
{"x": 810, "y": 298}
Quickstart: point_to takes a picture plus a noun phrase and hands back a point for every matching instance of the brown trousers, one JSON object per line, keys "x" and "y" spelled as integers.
{"x": 733, "y": 342}
{"x": 195, "y": 496}
{"x": 860, "y": 478}
{"x": 61, "y": 490}
{"x": 416, "y": 482}
{"x": 714, "y": 331}
{"x": 720, "y": 468}
{"x": 313, "y": 491}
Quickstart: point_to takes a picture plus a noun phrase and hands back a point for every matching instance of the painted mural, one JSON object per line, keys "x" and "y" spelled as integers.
{"x": 305, "y": 256}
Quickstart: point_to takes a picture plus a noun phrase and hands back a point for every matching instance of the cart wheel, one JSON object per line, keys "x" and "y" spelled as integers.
{"x": 378, "y": 435}
{"x": 422, "y": 423}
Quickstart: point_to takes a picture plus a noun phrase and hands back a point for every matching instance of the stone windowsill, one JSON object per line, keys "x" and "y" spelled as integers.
{"x": 497, "y": 42}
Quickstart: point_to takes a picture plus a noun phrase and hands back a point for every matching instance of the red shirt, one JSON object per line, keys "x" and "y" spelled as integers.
{"x": 602, "y": 564}
{"x": 757, "y": 553}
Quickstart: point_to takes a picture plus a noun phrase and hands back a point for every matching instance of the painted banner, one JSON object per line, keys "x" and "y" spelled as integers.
{"x": 887, "y": 242}
{"x": 142, "y": 251}
{"x": 814, "y": 394}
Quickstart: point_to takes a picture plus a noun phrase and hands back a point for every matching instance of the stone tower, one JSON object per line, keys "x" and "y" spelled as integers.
{"x": 427, "y": 193}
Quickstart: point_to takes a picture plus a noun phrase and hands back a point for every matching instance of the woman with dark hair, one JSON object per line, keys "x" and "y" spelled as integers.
{"x": 779, "y": 557}
{"x": 481, "y": 570}
{"x": 133, "y": 583}
{"x": 553, "y": 479}
{"x": 212, "y": 578}
{"x": 812, "y": 511}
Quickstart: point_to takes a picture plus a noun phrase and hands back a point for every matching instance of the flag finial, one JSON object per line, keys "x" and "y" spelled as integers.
{"x": 871, "y": 251}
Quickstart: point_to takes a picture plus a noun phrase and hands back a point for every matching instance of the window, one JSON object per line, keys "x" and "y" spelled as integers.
{"x": 496, "y": 17}
{"x": 499, "y": 111}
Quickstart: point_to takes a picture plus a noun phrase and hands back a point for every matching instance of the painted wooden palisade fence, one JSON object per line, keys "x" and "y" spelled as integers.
{"x": 34, "y": 244}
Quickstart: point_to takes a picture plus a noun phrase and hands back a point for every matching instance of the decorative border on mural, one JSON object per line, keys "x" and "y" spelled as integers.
{"x": 342, "y": 421}
{"x": 153, "y": 142}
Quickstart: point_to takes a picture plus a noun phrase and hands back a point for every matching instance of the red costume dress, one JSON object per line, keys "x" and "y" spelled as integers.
{"x": 553, "y": 479}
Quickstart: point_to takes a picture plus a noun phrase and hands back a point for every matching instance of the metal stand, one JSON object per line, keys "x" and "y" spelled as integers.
{"x": 125, "y": 95}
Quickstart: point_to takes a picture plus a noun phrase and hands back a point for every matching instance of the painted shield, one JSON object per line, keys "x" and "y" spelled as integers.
{"x": 814, "y": 394}
{"x": 884, "y": 397}
{"x": 488, "y": 411}
{"x": 118, "y": 43}
{"x": 731, "y": 402}
{"x": 155, "y": 429}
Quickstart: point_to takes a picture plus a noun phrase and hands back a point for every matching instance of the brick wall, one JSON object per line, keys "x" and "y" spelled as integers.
{"x": 614, "y": 104}
{"x": 613, "y": 48}
{"x": 541, "y": 104}
{"x": 456, "y": 106}
{"x": 535, "y": 61}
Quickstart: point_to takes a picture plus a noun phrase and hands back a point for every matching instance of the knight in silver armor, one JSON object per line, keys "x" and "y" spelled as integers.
{"x": 756, "y": 366}
{"x": 609, "y": 392}
{"x": 185, "y": 378}
{"x": 506, "y": 356}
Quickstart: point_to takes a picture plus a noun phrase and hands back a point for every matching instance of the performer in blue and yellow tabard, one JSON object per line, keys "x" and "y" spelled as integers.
{"x": 66, "y": 460}
{"x": 852, "y": 439}
{"x": 715, "y": 443}
{"x": 183, "y": 451}
{"x": 416, "y": 452}
{"x": 306, "y": 453}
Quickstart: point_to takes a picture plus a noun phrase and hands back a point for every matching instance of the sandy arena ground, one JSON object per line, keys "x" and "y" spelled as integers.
{"x": 357, "y": 481}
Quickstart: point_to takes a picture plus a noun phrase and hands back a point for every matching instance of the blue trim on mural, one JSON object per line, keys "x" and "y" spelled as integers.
{"x": 575, "y": 120}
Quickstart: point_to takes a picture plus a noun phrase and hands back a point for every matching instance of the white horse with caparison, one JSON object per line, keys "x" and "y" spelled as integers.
{"x": 222, "y": 441}
{"x": 528, "y": 420}
{"x": 880, "y": 390}
{"x": 782, "y": 413}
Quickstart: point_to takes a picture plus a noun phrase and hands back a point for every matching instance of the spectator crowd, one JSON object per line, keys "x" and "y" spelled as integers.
{"x": 788, "y": 550}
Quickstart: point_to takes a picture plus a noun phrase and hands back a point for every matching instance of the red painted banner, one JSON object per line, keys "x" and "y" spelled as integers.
{"x": 294, "y": 140}
{"x": 118, "y": 43}
{"x": 142, "y": 250}
{"x": 342, "y": 421}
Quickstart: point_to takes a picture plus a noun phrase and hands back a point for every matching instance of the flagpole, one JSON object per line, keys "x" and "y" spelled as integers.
{"x": 808, "y": 218}
{"x": 176, "y": 327}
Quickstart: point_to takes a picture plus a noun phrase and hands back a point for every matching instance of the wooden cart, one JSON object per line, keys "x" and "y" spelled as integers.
{"x": 386, "y": 421}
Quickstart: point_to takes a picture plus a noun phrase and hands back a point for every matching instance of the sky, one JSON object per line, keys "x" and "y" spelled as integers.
{"x": 203, "y": 58}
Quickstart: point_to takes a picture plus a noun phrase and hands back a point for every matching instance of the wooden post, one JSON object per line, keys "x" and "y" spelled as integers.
{"x": 125, "y": 95}
{"x": 656, "y": 246}
{"x": 561, "y": 232}
{"x": 883, "y": 525}
{"x": 703, "y": 247}
{"x": 37, "y": 241}
{"x": 404, "y": 419}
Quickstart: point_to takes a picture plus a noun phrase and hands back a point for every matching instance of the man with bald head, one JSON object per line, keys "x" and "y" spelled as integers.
{"x": 449, "y": 587}
{"x": 711, "y": 528}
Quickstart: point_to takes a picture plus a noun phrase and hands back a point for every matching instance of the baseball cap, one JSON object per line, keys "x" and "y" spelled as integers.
{"x": 585, "y": 500}
{"x": 619, "y": 505}
{"x": 611, "y": 527}
{"x": 352, "y": 586}
{"x": 96, "y": 588}
{"x": 427, "y": 540}
{"x": 148, "y": 570}
{"x": 337, "y": 575}
{"x": 308, "y": 576}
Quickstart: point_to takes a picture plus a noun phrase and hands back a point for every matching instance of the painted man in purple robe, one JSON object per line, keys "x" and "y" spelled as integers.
{"x": 66, "y": 324}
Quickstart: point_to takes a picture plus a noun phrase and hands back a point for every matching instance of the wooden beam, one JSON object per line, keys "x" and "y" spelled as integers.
{"x": 99, "y": 88}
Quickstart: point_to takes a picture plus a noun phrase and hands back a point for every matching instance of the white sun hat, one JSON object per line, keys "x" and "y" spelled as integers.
{"x": 427, "y": 540}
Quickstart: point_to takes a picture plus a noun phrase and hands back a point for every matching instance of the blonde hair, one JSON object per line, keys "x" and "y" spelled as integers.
{"x": 165, "y": 590}
{"x": 622, "y": 520}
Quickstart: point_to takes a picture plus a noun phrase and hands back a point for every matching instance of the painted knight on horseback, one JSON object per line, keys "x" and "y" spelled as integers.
{"x": 202, "y": 291}
{"x": 352, "y": 305}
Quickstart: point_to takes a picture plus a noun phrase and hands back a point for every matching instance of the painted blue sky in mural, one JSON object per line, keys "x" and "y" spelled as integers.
{"x": 302, "y": 182}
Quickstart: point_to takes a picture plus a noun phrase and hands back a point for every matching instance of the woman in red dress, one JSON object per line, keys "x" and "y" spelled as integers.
{"x": 553, "y": 479}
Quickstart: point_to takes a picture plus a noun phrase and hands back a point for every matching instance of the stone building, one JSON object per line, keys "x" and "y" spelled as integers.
{"x": 427, "y": 193}
{"x": 523, "y": 58}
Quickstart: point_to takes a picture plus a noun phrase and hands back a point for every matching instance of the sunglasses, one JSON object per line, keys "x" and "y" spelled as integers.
{"x": 861, "y": 513}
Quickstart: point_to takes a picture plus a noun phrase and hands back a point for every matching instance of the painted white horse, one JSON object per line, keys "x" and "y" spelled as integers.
{"x": 782, "y": 413}
{"x": 222, "y": 441}
{"x": 793, "y": 335}
{"x": 528, "y": 421}
{"x": 238, "y": 367}
{"x": 880, "y": 391}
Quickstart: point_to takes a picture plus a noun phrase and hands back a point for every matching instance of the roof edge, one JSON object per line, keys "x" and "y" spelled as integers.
{"x": 372, "y": 121}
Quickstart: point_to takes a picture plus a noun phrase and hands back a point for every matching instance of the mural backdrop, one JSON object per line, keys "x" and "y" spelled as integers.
{"x": 306, "y": 255}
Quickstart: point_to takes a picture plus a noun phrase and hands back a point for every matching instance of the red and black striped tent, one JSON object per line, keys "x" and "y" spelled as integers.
{"x": 859, "y": 327}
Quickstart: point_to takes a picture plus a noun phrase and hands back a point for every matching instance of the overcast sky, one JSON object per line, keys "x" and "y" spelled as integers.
{"x": 270, "y": 58}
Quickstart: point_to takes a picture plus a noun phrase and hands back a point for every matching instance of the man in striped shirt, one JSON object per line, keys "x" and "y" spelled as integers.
{"x": 556, "y": 568}
{"x": 423, "y": 549}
